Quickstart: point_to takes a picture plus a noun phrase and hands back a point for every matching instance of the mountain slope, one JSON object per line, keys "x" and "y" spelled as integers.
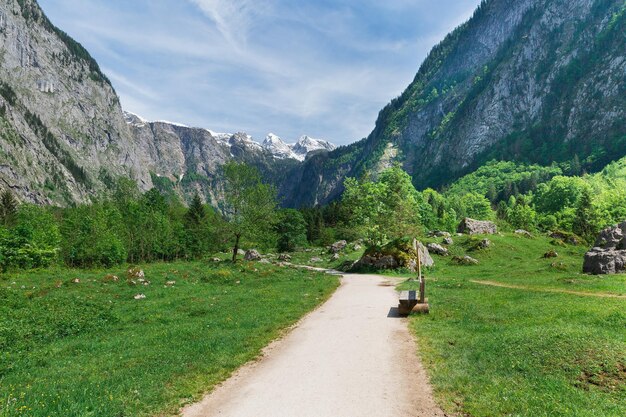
{"x": 62, "y": 133}
{"x": 530, "y": 80}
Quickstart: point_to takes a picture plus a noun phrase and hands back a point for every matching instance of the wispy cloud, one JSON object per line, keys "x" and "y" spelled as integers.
{"x": 323, "y": 68}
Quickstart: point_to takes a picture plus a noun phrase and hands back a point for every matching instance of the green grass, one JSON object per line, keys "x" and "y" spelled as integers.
{"x": 508, "y": 352}
{"x": 91, "y": 349}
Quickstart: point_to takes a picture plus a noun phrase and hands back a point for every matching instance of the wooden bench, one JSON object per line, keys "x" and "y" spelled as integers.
{"x": 408, "y": 300}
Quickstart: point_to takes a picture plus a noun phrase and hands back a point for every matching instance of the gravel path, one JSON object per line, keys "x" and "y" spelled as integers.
{"x": 351, "y": 357}
{"x": 552, "y": 290}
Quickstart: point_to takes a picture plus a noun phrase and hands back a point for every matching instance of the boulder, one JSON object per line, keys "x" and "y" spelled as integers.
{"x": 448, "y": 241}
{"x": 135, "y": 273}
{"x": 315, "y": 260}
{"x": 608, "y": 256}
{"x": 357, "y": 247}
{"x": 252, "y": 255}
{"x": 599, "y": 261}
{"x": 437, "y": 249}
{"x": 241, "y": 252}
{"x": 484, "y": 244}
{"x": 566, "y": 237}
{"x": 524, "y": 233}
{"x": 335, "y": 257}
{"x": 550, "y": 254}
{"x": 284, "y": 257}
{"x": 439, "y": 233}
{"x": 612, "y": 237}
{"x": 465, "y": 260}
{"x": 338, "y": 246}
{"x": 111, "y": 278}
{"x": 477, "y": 227}
{"x": 397, "y": 254}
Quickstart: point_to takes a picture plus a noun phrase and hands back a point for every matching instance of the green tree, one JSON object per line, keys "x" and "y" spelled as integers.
{"x": 476, "y": 206}
{"x": 249, "y": 204}
{"x": 558, "y": 194}
{"x": 92, "y": 236}
{"x": 291, "y": 229}
{"x": 522, "y": 216}
{"x": 8, "y": 208}
{"x": 196, "y": 236}
{"x": 586, "y": 219}
{"x": 386, "y": 209}
{"x": 33, "y": 241}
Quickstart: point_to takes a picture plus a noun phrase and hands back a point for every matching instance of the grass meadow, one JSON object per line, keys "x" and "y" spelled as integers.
{"x": 78, "y": 343}
{"x": 526, "y": 351}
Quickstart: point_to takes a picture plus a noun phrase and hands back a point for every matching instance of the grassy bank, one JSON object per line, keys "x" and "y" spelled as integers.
{"x": 534, "y": 352}
{"x": 89, "y": 348}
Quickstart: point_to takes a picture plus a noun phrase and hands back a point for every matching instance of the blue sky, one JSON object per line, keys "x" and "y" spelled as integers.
{"x": 292, "y": 67}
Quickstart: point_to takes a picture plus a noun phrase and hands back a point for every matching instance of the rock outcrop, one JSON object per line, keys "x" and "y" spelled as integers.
{"x": 62, "y": 133}
{"x": 608, "y": 256}
{"x": 252, "y": 255}
{"x": 338, "y": 246}
{"x": 477, "y": 227}
{"x": 394, "y": 255}
{"x": 437, "y": 249}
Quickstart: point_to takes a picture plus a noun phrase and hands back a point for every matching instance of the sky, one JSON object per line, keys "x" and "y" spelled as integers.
{"x": 291, "y": 67}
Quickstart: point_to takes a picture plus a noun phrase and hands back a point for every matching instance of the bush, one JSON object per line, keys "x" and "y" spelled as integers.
{"x": 33, "y": 242}
{"x": 91, "y": 236}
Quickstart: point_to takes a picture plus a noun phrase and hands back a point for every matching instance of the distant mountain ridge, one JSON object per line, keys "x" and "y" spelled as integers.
{"x": 272, "y": 143}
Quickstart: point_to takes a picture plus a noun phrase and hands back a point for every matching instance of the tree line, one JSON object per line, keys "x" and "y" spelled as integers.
{"x": 128, "y": 226}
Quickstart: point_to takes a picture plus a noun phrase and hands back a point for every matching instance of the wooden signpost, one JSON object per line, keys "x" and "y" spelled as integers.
{"x": 411, "y": 301}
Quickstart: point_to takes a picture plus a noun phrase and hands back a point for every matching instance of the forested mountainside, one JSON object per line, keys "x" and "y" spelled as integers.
{"x": 532, "y": 80}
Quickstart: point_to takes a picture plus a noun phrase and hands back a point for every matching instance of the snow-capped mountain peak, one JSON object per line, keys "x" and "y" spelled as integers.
{"x": 306, "y": 144}
{"x": 278, "y": 147}
{"x": 272, "y": 143}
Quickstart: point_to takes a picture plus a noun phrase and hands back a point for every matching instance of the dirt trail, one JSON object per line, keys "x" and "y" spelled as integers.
{"x": 552, "y": 290}
{"x": 351, "y": 357}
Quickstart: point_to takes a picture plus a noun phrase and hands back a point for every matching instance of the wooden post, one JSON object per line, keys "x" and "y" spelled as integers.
{"x": 422, "y": 290}
{"x": 419, "y": 259}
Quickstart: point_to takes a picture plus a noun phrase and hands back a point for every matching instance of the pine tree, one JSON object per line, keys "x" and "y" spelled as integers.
{"x": 8, "y": 208}
{"x": 195, "y": 213}
{"x": 575, "y": 167}
{"x": 585, "y": 220}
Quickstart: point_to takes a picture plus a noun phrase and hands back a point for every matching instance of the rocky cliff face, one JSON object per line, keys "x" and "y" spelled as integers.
{"x": 185, "y": 160}
{"x": 62, "y": 133}
{"x": 530, "y": 80}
